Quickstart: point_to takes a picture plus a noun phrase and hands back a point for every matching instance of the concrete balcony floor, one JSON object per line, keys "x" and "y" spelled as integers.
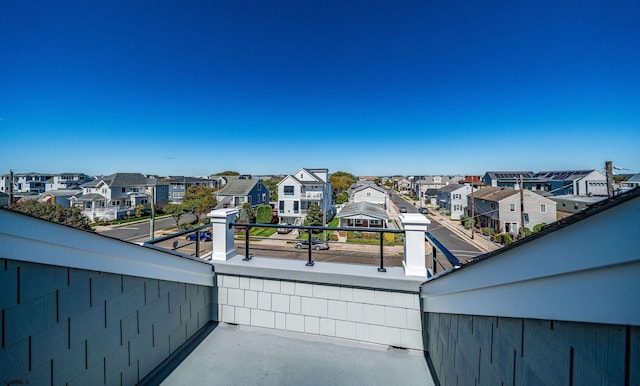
{"x": 243, "y": 355}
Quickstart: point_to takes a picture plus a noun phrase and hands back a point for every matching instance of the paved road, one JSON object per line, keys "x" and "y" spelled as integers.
{"x": 462, "y": 249}
{"x": 138, "y": 232}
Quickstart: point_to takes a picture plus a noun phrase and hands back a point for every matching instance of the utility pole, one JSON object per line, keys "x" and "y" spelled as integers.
{"x": 608, "y": 166}
{"x": 473, "y": 204}
{"x": 10, "y": 188}
{"x": 521, "y": 208}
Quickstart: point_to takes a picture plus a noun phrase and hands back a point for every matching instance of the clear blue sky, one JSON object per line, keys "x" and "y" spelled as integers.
{"x": 372, "y": 88}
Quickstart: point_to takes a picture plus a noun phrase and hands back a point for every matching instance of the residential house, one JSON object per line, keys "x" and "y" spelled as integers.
{"x": 32, "y": 183}
{"x": 631, "y": 183}
{"x": 363, "y": 214}
{"x": 60, "y": 197}
{"x": 114, "y": 196}
{"x": 505, "y": 178}
{"x": 474, "y": 181}
{"x": 576, "y": 182}
{"x": 298, "y": 191}
{"x": 424, "y": 183}
{"x": 238, "y": 191}
{"x": 66, "y": 181}
{"x": 4, "y": 199}
{"x": 569, "y": 204}
{"x": 178, "y": 185}
{"x": 369, "y": 192}
{"x": 454, "y": 199}
{"x": 499, "y": 208}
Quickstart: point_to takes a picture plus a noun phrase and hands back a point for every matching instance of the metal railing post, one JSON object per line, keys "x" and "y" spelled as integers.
{"x": 310, "y": 263}
{"x": 246, "y": 244}
{"x": 382, "y": 268}
{"x": 197, "y": 243}
{"x": 433, "y": 255}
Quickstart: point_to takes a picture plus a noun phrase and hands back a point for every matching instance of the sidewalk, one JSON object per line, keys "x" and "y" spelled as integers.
{"x": 456, "y": 227}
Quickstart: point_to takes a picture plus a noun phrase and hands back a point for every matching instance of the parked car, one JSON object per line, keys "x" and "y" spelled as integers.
{"x": 315, "y": 244}
{"x": 204, "y": 236}
{"x": 284, "y": 230}
{"x": 403, "y": 209}
{"x": 423, "y": 210}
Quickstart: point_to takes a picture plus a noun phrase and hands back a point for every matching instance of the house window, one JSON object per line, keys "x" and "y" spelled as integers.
{"x": 368, "y": 194}
{"x": 543, "y": 208}
{"x": 281, "y": 206}
{"x": 288, "y": 190}
{"x": 512, "y": 207}
{"x": 259, "y": 187}
{"x": 296, "y": 205}
{"x": 124, "y": 190}
{"x": 250, "y": 200}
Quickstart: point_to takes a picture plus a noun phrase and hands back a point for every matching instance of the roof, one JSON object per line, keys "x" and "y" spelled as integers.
{"x": 450, "y": 188}
{"x": 125, "y": 179}
{"x": 61, "y": 192}
{"x": 634, "y": 178}
{"x": 553, "y": 227}
{"x": 365, "y": 186}
{"x": 509, "y": 175}
{"x": 238, "y": 187}
{"x": 90, "y": 197}
{"x": 494, "y": 193}
{"x": 562, "y": 175}
{"x": 470, "y": 180}
{"x": 574, "y": 198}
{"x": 363, "y": 208}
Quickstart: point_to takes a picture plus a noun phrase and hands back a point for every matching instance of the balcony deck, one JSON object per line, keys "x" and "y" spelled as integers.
{"x": 244, "y": 355}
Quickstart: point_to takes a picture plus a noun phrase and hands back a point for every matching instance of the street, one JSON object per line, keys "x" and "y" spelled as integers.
{"x": 461, "y": 248}
{"x": 139, "y": 231}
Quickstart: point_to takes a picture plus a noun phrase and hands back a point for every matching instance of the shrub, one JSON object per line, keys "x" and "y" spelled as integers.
{"x": 357, "y": 235}
{"x": 333, "y": 236}
{"x": 498, "y": 238}
{"x": 389, "y": 237}
{"x": 447, "y": 213}
{"x": 527, "y": 231}
{"x": 538, "y": 227}
{"x": 466, "y": 222}
{"x": 507, "y": 239}
{"x": 487, "y": 231}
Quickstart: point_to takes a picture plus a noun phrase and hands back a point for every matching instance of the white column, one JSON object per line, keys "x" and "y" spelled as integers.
{"x": 415, "y": 224}
{"x": 223, "y": 245}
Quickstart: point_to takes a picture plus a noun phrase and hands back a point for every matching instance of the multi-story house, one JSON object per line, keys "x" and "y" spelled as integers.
{"x": 369, "y": 192}
{"x": 454, "y": 199}
{"x": 245, "y": 189}
{"x": 298, "y": 191}
{"x": 426, "y": 188}
{"x": 505, "y": 178}
{"x": 65, "y": 181}
{"x": 499, "y": 208}
{"x": 178, "y": 185}
{"x": 117, "y": 195}
{"x": 30, "y": 183}
{"x": 562, "y": 182}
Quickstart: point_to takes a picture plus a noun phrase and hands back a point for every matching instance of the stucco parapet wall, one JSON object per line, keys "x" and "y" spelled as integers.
{"x": 355, "y": 275}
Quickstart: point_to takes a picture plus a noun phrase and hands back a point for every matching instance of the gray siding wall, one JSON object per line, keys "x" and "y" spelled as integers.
{"x": 367, "y": 315}
{"x": 481, "y": 350}
{"x": 70, "y": 326}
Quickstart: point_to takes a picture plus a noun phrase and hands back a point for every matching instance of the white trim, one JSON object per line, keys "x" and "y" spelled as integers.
{"x": 28, "y": 239}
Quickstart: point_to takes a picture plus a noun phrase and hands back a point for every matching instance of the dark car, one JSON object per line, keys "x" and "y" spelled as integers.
{"x": 204, "y": 236}
{"x": 423, "y": 210}
{"x": 315, "y": 244}
{"x": 403, "y": 209}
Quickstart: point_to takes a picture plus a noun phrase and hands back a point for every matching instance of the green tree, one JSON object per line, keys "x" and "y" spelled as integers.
{"x": 272, "y": 185}
{"x": 314, "y": 216}
{"x": 538, "y": 227}
{"x": 247, "y": 214}
{"x": 71, "y": 216}
{"x": 264, "y": 214}
{"x": 199, "y": 200}
{"x": 342, "y": 198}
{"x": 227, "y": 173}
{"x": 341, "y": 181}
{"x": 175, "y": 211}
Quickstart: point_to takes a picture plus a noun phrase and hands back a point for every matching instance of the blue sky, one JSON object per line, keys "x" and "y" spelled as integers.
{"x": 372, "y": 88}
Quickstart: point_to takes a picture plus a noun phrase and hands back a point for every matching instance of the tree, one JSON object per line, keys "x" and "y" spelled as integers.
{"x": 227, "y": 173}
{"x": 377, "y": 181}
{"x": 341, "y": 182}
{"x": 314, "y": 216}
{"x": 199, "y": 200}
{"x": 247, "y": 214}
{"x": 342, "y": 198}
{"x": 175, "y": 210}
{"x": 71, "y": 216}
{"x": 264, "y": 214}
{"x": 272, "y": 185}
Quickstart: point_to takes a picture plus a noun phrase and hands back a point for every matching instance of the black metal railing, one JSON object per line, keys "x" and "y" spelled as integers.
{"x": 198, "y": 232}
{"x": 310, "y": 240}
{"x": 437, "y": 246}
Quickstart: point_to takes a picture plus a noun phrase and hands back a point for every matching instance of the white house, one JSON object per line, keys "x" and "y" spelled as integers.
{"x": 454, "y": 199}
{"x": 369, "y": 193}
{"x": 298, "y": 191}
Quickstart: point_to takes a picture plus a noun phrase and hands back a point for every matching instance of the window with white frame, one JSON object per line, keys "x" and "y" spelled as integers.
{"x": 543, "y": 208}
{"x": 512, "y": 207}
{"x": 288, "y": 190}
